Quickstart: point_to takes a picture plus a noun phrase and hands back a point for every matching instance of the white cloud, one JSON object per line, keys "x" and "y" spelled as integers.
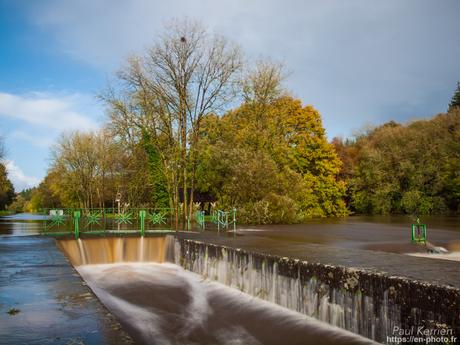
{"x": 58, "y": 112}
{"x": 356, "y": 61}
{"x": 36, "y": 140}
{"x": 19, "y": 179}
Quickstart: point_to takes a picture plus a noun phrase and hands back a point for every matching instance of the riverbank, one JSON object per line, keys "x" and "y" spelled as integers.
{"x": 44, "y": 301}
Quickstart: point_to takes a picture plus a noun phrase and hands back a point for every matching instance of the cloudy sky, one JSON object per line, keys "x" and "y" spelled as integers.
{"x": 359, "y": 63}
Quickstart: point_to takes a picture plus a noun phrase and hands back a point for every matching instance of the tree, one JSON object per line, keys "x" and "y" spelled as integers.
{"x": 166, "y": 93}
{"x": 270, "y": 157}
{"x": 18, "y": 204}
{"x": 6, "y": 188}
{"x": 43, "y": 197}
{"x": 87, "y": 170}
{"x": 410, "y": 169}
{"x": 455, "y": 101}
{"x": 2, "y": 149}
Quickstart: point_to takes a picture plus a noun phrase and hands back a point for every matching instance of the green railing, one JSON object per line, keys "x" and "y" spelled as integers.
{"x": 108, "y": 220}
{"x": 105, "y": 221}
{"x": 223, "y": 219}
{"x": 200, "y": 219}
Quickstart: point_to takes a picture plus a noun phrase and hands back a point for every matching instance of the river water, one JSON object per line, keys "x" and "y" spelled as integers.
{"x": 160, "y": 303}
{"x": 164, "y": 304}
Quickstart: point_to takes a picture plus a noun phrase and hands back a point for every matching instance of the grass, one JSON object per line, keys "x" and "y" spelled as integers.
{"x": 6, "y": 213}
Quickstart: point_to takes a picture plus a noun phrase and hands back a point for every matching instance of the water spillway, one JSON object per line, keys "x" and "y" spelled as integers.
{"x": 371, "y": 304}
{"x": 111, "y": 250}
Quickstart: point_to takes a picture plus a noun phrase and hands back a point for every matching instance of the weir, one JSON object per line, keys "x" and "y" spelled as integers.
{"x": 368, "y": 303}
{"x": 111, "y": 250}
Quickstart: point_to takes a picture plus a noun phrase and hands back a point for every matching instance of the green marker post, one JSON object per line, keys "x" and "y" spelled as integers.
{"x": 76, "y": 223}
{"x": 142, "y": 214}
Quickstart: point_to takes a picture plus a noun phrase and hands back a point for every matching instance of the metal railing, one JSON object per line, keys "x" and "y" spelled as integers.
{"x": 223, "y": 219}
{"x": 108, "y": 220}
{"x": 101, "y": 221}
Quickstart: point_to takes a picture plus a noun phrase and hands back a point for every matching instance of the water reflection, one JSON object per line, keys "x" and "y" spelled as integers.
{"x": 22, "y": 224}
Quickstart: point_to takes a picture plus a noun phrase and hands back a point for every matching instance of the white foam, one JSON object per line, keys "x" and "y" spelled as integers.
{"x": 453, "y": 256}
{"x": 197, "y": 313}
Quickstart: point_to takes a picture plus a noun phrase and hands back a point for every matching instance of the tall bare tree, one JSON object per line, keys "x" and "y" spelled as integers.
{"x": 187, "y": 74}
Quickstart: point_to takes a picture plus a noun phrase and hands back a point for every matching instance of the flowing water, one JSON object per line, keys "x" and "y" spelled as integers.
{"x": 233, "y": 300}
{"x": 163, "y": 304}
{"x": 23, "y": 224}
{"x": 160, "y": 303}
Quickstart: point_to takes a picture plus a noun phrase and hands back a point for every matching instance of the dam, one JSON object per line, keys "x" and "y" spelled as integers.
{"x": 258, "y": 285}
{"x": 122, "y": 271}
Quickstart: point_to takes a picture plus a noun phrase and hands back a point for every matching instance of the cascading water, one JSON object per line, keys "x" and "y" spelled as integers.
{"x": 118, "y": 249}
{"x": 366, "y": 303}
{"x": 369, "y": 304}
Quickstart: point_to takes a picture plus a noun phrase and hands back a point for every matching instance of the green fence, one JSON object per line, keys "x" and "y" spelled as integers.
{"x": 99, "y": 221}
{"x": 142, "y": 221}
{"x": 224, "y": 219}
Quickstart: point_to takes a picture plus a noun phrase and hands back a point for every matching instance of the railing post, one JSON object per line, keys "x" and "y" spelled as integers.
{"x": 142, "y": 218}
{"x": 76, "y": 222}
{"x": 218, "y": 220}
{"x": 234, "y": 220}
{"x": 203, "y": 220}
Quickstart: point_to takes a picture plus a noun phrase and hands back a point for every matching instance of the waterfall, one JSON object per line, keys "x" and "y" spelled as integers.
{"x": 366, "y": 303}
{"x": 371, "y": 304}
{"x": 117, "y": 250}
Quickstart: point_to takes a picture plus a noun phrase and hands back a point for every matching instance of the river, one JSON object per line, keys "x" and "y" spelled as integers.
{"x": 161, "y": 303}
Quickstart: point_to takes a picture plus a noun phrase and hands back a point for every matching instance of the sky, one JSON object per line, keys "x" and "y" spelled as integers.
{"x": 360, "y": 63}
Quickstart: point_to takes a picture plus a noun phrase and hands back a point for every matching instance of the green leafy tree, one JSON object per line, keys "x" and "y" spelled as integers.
{"x": 455, "y": 101}
{"x": 42, "y": 197}
{"x": 270, "y": 157}
{"x": 409, "y": 168}
{"x": 6, "y": 188}
{"x": 160, "y": 195}
{"x": 18, "y": 205}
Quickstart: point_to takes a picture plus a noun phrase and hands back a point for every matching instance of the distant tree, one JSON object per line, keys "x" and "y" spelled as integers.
{"x": 2, "y": 149}
{"x": 18, "y": 205}
{"x": 42, "y": 196}
{"x": 6, "y": 188}
{"x": 412, "y": 169}
{"x": 455, "y": 102}
{"x": 87, "y": 169}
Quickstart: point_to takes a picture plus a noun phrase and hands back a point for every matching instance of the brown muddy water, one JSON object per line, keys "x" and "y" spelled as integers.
{"x": 381, "y": 233}
{"x": 158, "y": 302}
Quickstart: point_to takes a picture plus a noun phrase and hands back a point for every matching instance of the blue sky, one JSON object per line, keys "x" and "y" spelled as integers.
{"x": 360, "y": 63}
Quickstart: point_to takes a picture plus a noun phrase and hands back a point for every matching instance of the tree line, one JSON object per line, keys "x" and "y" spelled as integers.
{"x": 6, "y": 187}
{"x": 404, "y": 169}
{"x": 191, "y": 115}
